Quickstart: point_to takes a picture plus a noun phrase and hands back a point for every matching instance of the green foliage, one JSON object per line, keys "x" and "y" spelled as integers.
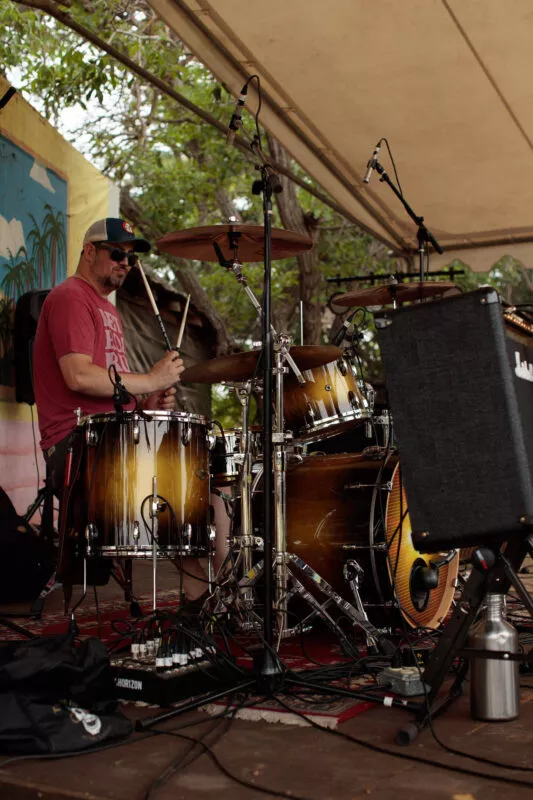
{"x": 175, "y": 165}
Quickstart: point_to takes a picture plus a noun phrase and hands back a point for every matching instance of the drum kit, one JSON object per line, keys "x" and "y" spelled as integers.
{"x": 342, "y": 549}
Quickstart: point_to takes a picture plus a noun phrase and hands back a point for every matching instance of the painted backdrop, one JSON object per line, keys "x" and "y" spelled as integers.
{"x": 33, "y": 236}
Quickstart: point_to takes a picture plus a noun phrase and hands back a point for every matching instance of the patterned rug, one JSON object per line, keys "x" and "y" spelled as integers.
{"x": 315, "y": 650}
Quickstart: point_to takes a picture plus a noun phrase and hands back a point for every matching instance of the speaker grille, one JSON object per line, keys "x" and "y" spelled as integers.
{"x": 456, "y": 404}
{"x": 27, "y": 313}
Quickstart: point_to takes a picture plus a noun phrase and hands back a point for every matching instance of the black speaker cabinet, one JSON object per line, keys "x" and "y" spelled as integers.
{"x": 460, "y": 385}
{"x": 27, "y": 313}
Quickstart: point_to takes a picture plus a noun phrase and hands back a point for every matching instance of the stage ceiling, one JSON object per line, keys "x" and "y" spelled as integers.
{"x": 447, "y": 82}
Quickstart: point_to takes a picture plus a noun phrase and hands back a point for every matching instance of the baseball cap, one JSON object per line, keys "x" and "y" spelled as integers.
{"x": 116, "y": 231}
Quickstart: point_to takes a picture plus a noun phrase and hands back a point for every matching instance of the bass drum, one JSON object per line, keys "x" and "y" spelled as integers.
{"x": 349, "y": 507}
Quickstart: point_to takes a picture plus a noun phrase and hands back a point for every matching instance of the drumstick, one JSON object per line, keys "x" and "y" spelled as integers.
{"x": 154, "y": 305}
{"x": 183, "y": 320}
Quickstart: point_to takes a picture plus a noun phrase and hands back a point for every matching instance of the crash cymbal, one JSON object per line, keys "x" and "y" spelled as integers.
{"x": 197, "y": 243}
{"x": 243, "y": 366}
{"x": 401, "y": 292}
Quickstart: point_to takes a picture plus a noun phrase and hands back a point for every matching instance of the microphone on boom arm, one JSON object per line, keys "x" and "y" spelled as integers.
{"x": 371, "y": 165}
{"x": 236, "y": 119}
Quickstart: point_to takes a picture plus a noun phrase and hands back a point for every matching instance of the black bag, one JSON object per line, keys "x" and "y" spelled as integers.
{"x": 57, "y": 696}
{"x": 26, "y": 562}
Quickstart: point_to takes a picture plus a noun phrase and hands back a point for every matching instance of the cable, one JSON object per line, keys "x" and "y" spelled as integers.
{"x": 247, "y": 785}
{"x": 179, "y": 760}
{"x": 75, "y": 753}
{"x": 417, "y": 759}
{"x": 35, "y": 449}
{"x": 99, "y": 621}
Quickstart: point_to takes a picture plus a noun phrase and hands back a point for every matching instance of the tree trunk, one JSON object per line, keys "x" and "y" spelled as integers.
{"x": 294, "y": 218}
{"x": 184, "y": 273}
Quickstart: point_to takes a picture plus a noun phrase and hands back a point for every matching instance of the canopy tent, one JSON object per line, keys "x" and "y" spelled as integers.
{"x": 447, "y": 82}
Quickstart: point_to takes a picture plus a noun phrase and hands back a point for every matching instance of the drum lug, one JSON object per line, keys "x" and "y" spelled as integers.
{"x": 385, "y": 487}
{"x": 369, "y": 394}
{"x": 136, "y": 535}
{"x": 343, "y": 368}
{"x": 187, "y": 535}
{"x": 353, "y": 400}
{"x": 210, "y": 438}
{"x": 91, "y": 533}
{"x": 91, "y": 437}
{"x": 186, "y": 435}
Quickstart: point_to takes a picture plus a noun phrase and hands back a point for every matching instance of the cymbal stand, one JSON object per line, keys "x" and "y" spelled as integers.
{"x": 234, "y": 265}
{"x": 229, "y": 591}
{"x": 288, "y": 566}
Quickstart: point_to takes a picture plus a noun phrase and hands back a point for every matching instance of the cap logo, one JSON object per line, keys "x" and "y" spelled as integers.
{"x": 127, "y": 227}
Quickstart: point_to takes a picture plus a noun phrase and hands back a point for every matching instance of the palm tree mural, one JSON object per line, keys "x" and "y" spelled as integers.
{"x": 54, "y": 232}
{"x": 14, "y": 281}
{"x": 39, "y": 253}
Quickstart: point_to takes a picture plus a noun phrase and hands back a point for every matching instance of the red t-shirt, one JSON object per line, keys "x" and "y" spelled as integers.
{"x": 74, "y": 319}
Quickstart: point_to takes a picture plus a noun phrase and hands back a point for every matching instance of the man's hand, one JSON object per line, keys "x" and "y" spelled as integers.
{"x": 164, "y": 400}
{"x": 167, "y": 371}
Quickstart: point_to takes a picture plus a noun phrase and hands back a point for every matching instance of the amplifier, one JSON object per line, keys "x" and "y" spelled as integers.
{"x": 460, "y": 384}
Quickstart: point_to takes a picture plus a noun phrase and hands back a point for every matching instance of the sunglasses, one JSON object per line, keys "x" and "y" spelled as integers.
{"x": 117, "y": 254}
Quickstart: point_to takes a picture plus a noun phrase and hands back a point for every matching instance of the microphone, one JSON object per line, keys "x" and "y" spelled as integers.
{"x": 371, "y": 165}
{"x": 236, "y": 119}
{"x": 341, "y": 333}
{"x": 121, "y": 396}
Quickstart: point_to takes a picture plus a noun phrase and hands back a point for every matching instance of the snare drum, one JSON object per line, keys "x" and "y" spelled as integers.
{"x": 331, "y": 400}
{"x": 226, "y": 456}
{"x": 130, "y": 457}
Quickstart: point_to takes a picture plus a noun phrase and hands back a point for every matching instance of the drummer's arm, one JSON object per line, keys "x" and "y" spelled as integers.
{"x": 81, "y": 375}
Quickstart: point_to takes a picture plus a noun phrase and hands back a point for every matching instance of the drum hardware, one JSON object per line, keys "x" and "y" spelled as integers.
{"x": 352, "y": 572}
{"x": 90, "y": 535}
{"x": 92, "y": 437}
{"x": 378, "y": 546}
{"x": 154, "y": 516}
{"x": 136, "y": 534}
{"x": 359, "y": 619}
{"x": 384, "y": 487}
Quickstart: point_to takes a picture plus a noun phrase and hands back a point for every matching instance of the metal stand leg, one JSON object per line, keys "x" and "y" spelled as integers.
{"x": 492, "y": 571}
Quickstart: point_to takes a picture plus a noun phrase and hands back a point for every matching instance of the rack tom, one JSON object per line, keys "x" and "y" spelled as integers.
{"x": 331, "y": 400}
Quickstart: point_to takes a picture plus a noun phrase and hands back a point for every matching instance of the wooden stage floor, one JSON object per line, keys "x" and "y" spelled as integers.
{"x": 298, "y": 762}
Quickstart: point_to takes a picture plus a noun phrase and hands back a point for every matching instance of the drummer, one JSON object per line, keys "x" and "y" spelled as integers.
{"x": 79, "y": 336}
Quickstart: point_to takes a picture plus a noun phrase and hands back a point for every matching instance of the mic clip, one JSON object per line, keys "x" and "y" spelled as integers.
{"x": 121, "y": 396}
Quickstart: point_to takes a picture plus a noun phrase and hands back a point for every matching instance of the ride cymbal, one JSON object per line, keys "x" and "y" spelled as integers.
{"x": 243, "y": 366}
{"x": 245, "y": 242}
{"x": 399, "y": 292}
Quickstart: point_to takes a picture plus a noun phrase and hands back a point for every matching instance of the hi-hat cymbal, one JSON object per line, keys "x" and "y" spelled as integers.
{"x": 386, "y": 295}
{"x": 197, "y": 243}
{"x": 243, "y": 366}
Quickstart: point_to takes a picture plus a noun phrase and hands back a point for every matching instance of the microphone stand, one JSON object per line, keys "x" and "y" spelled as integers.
{"x": 424, "y": 236}
{"x": 271, "y": 668}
